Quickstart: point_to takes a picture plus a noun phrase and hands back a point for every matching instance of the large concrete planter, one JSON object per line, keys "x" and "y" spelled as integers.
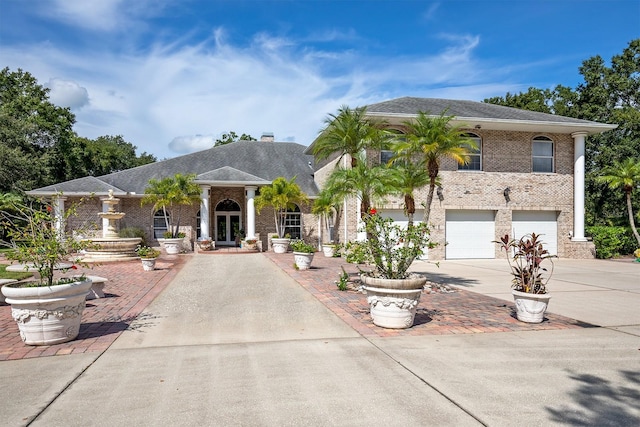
{"x": 172, "y": 246}
{"x": 530, "y": 308}
{"x": 280, "y": 246}
{"x": 329, "y": 250}
{"x": 303, "y": 260}
{"x": 393, "y": 302}
{"x": 47, "y": 315}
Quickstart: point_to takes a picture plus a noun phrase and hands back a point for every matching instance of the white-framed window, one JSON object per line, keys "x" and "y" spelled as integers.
{"x": 293, "y": 223}
{"x": 475, "y": 154}
{"x": 159, "y": 224}
{"x": 542, "y": 154}
{"x": 198, "y": 219}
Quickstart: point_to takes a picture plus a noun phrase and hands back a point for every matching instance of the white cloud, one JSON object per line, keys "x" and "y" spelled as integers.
{"x": 66, "y": 93}
{"x": 158, "y": 98}
{"x": 189, "y": 144}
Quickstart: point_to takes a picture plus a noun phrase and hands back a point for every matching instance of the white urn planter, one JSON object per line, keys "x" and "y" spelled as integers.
{"x": 303, "y": 260}
{"x": 148, "y": 264}
{"x": 329, "y": 250}
{"x": 530, "y": 308}
{"x": 393, "y": 302}
{"x": 47, "y": 315}
{"x": 280, "y": 246}
{"x": 172, "y": 246}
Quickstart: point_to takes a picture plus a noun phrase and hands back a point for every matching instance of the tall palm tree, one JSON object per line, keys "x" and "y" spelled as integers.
{"x": 282, "y": 194}
{"x": 172, "y": 193}
{"x": 624, "y": 174}
{"x": 348, "y": 132}
{"x": 434, "y": 138}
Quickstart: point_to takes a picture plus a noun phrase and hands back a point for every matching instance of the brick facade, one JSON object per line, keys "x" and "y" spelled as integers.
{"x": 506, "y": 162}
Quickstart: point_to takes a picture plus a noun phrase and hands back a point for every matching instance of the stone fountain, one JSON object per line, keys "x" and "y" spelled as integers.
{"x": 111, "y": 247}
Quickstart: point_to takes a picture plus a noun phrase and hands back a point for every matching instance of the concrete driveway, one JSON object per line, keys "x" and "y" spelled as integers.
{"x": 235, "y": 341}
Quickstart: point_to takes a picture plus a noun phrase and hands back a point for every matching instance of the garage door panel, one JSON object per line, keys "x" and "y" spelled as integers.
{"x": 470, "y": 234}
{"x": 543, "y": 223}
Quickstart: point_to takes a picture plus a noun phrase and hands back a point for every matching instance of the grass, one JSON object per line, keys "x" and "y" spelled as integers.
{"x": 4, "y": 274}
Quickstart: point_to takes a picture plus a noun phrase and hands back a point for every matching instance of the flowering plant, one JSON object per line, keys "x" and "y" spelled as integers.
{"x": 389, "y": 247}
{"x": 147, "y": 252}
{"x": 525, "y": 264}
{"x": 37, "y": 239}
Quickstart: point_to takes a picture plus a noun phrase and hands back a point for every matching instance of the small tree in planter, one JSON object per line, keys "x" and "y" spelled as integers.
{"x": 392, "y": 292}
{"x": 171, "y": 194}
{"x": 281, "y": 195}
{"x": 49, "y": 310}
{"x": 525, "y": 257}
{"x": 324, "y": 207}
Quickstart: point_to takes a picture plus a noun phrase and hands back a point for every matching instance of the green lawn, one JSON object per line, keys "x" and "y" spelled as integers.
{"x": 4, "y": 274}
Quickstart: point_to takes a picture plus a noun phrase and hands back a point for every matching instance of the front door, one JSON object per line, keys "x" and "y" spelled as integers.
{"x": 227, "y": 224}
{"x": 227, "y": 227}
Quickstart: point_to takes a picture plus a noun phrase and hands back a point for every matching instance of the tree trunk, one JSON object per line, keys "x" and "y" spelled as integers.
{"x": 427, "y": 208}
{"x": 410, "y": 208}
{"x": 631, "y": 220}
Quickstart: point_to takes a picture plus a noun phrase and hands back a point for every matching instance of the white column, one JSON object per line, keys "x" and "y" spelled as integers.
{"x": 105, "y": 221}
{"x": 251, "y": 212}
{"x": 204, "y": 212}
{"x": 578, "y": 186}
{"x": 58, "y": 213}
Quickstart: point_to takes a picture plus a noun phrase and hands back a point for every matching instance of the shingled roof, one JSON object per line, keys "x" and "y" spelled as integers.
{"x": 473, "y": 111}
{"x": 238, "y": 163}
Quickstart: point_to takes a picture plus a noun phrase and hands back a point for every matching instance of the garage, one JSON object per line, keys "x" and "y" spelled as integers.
{"x": 544, "y": 223}
{"x": 470, "y": 234}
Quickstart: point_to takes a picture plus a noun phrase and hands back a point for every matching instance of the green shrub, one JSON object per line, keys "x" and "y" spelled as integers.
{"x": 612, "y": 242}
{"x": 130, "y": 232}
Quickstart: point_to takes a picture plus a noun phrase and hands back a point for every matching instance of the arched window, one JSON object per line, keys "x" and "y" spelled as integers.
{"x": 475, "y": 154}
{"x": 159, "y": 224}
{"x": 542, "y": 154}
{"x": 386, "y": 155}
{"x": 293, "y": 223}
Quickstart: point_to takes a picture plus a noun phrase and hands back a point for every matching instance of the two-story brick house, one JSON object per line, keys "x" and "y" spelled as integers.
{"x": 528, "y": 175}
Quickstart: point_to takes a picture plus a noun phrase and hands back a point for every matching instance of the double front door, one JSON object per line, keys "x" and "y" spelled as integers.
{"x": 227, "y": 228}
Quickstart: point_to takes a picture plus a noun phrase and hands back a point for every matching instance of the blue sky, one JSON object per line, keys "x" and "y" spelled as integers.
{"x": 172, "y": 75}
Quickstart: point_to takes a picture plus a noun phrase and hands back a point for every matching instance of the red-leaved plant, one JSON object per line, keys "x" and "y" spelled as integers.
{"x": 525, "y": 256}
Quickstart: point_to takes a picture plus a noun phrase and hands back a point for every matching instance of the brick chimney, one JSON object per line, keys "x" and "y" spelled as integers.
{"x": 267, "y": 137}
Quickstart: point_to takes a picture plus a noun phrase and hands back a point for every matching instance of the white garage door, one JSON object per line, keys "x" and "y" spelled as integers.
{"x": 470, "y": 234}
{"x": 399, "y": 218}
{"x": 539, "y": 222}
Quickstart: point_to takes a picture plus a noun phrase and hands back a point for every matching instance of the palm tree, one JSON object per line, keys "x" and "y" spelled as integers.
{"x": 626, "y": 175}
{"x": 169, "y": 193}
{"x": 434, "y": 138}
{"x": 324, "y": 206}
{"x": 410, "y": 176}
{"x": 369, "y": 183}
{"x": 348, "y": 132}
{"x": 281, "y": 195}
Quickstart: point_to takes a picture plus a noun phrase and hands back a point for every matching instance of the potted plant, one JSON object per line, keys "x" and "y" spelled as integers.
{"x": 392, "y": 292}
{"x": 148, "y": 256}
{"x": 525, "y": 257}
{"x": 205, "y": 244}
{"x": 281, "y": 195}
{"x": 170, "y": 194}
{"x": 302, "y": 254}
{"x": 48, "y": 310}
{"x": 251, "y": 244}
